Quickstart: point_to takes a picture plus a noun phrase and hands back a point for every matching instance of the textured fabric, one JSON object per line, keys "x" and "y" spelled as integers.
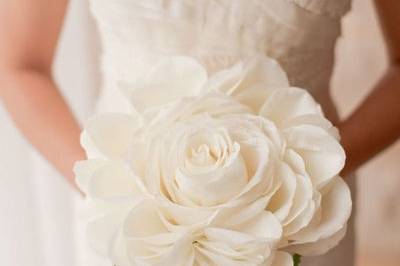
{"x": 300, "y": 34}
{"x": 135, "y": 34}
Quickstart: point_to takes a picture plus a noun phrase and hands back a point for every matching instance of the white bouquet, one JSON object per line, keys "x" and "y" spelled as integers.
{"x": 236, "y": 169}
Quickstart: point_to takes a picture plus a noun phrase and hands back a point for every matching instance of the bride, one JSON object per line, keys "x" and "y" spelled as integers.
{"x": 300, "y": 34}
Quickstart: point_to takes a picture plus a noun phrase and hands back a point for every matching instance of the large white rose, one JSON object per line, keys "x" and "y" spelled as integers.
{"x": 225, "y": 170}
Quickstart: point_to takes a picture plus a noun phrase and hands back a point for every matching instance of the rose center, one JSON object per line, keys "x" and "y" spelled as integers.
{"x": 203, "y": 155}
{"x": 213, "y": 170}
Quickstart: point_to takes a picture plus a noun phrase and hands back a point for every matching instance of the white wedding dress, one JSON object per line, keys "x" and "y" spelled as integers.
{"x": 300, "y": 34}
{"x": 38, "y": 222}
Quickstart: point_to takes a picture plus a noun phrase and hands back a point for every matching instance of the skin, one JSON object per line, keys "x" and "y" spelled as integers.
{"x": 29, "y": 30}
{"x": 375, "y": 124}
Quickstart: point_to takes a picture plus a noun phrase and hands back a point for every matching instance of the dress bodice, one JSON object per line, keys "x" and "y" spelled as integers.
{"x": 299, "y": 34}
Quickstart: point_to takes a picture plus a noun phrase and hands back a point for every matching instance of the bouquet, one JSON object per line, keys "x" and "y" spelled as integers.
{"x": 236, "y": 169}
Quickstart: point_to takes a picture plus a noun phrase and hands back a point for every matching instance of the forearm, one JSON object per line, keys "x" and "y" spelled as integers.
{"x": 42, "y": 115}
{"x": 375, "y": 124}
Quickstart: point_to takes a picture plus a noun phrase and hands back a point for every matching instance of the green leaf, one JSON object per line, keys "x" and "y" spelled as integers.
{"x": 296, "y": 259}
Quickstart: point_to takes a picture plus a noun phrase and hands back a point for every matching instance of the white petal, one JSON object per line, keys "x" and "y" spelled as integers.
{"x": 244, "y": 75}
{"x": 118, "y": 251}
{"x": 226, "y": 247}
{"x": 226, "y": 80}
{"x": 261, "y": 166}
{"x": 215, "y": 187}
{"x": 188, "y": 216}
{"x": 107, "y": 204}
{"x": 212, "y": 256}
{"x": 255, "y": 96}
{"x": 294, "y": 160}
{"x": 250, "y": 244}
{"x": 227, "y": 236}
{"x": 113, "y": 180}
{"x": 84, "y": 171}
{"x": 301, "y": 220}
{"x": 302, "y": 198}
{"x": 181, "y": 253}
{"x": 144, "y": 221}
{"x": 282, "y": 201}
{"x": 150, "y": 240}
{"x": 320, "y": 247}
{"x": 336, "y": 210}
{"x": 250, "y": 82}
{"x": 92, "y": 152}
{"x": 323, "y": 155}
{"x": 111, "y": 133}
{"x": 101, "y": 231}
{"x": 238, "y": 215}
{"x": 264, "y": 70}
{"x": 170, "y": 80}
{"x": 264, "y": 225}
{"x": 293, "y": 201}
{"x": 214, "y": 104}
{"x": 287, "y": 103}
{"x": 315, "y": 120}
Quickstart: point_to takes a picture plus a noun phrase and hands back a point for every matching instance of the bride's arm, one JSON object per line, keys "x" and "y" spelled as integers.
{"x": 375, "y": 124}
{"x": 29, "y": 31}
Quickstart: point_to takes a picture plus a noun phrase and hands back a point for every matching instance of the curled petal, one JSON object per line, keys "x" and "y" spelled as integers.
{"x": 226, "y": 80}
{"x": 110, "y": 134}
{"x": 244, "y": 75}
{"x": 170, "y": 80}
{"x": 293, "y": 202}
{"x": 187, "y": 215}
{"x": 150, "y": 240}
{"x": 320, "y": 247}
{"x": 294, "y": 160}
{"x": 118, "y": 251}
{"x": 287, "y": 103}
{"x": 227, "y": 247}
{"x": 250, "y": 82}
{"x": 255, "y": 96}
{"x": 322, "y": 154}
{"x": 264, "y": 225}
{"x": 215, "y": 187}
{"x": 113, "y": 180}
{"x": 92, "y": 152}
{"x": 84, "y": 172}
{"x": 301, "y": 220}
{"x": 302, "y": 198}
{"x": 111, "y": 192}
{"x": 315, "y": 120}
{"x": 336, "y": 210}
{"x": 261, "y": 167}
{"x": 234, "y": 217}
{"x": 282, "y": 200}
{"x": 144, "y": 221}
{"x": 101, "y": 231}
{"x": 261, "y": 70}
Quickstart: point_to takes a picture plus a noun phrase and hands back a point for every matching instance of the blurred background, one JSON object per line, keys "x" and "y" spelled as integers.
{"x": 360, "y": 62}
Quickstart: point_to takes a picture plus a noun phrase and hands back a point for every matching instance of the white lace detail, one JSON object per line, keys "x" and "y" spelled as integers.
{"x": 138, "y": 33}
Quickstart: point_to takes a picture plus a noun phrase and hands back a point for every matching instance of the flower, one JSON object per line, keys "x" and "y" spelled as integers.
{"x": 238, "y": 168}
